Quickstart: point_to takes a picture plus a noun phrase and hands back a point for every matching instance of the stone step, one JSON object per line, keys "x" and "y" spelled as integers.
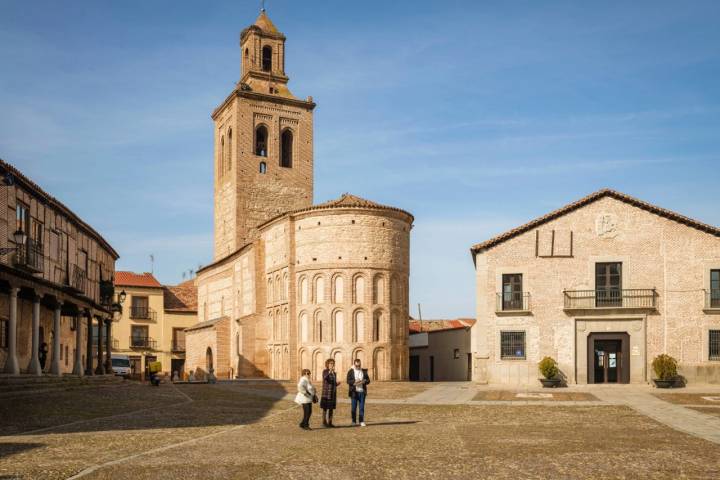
{"x": 24, "y": 382}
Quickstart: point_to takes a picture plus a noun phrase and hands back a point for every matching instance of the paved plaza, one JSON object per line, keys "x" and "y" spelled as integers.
{"x": 249, "y": 430}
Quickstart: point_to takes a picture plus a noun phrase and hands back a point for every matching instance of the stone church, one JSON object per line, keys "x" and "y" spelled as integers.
{"x": 292, "y": 283}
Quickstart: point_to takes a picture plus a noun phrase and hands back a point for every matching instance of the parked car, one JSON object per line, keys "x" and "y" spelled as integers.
{"x": 121, "y": 365}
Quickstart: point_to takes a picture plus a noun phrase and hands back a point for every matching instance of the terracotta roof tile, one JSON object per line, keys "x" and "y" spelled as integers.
{"x": 265, "y": 24}
{"x": 132, "y": 279}
{"x": 417, "y": 326}
{"x": 606, "y": 192}
{"x": 181, "y": 298}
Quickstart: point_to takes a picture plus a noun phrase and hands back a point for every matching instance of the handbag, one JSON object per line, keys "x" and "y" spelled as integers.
{"x": 315, "y": 398}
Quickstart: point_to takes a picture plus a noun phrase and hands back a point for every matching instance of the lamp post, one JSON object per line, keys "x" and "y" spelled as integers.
{"x": 19, "y": 237}
{"x": 107, "y": 294}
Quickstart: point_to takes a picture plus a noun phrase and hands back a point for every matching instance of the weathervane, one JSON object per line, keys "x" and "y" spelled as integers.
{"x": 262, "y": 5}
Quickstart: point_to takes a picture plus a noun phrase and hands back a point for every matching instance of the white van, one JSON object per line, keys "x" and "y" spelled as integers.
{"x": 121, "y": 365}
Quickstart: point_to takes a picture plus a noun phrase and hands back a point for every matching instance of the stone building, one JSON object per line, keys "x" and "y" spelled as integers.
{"x": 152, "y": 324}
{"x": 55, "y": 284}
{"x": 440, "y": 350}
{"x": 603, "y": 285}
{"x": 292, "y": 283}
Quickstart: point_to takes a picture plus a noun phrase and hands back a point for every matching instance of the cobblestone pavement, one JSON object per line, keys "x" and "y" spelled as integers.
{"x": 229, "y": 431}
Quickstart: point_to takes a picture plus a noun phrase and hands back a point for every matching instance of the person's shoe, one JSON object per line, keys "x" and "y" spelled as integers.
{"x": 330, "y": 424}
{"x": 353, "y": 424}
{"x": 306, "y": 427}
{"x": 362, "y": 424}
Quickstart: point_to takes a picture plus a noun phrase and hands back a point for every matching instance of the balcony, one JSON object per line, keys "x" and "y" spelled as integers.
{"x": 513, "y": 302}
{"x": 628, "y": 299}
{"x": 143, "y": 313}
{"x": 178, "y": 345}
{"x": 30, "y": 257}
{"x": 78, "y": 279}
{"x": 712, "y": 300}
{"x": 143, "y": 342}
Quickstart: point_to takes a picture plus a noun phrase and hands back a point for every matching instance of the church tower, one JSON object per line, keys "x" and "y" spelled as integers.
{"x": 263, "y": 143}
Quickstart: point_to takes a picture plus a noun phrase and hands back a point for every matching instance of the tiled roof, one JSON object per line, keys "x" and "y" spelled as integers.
{"x": 417, "y": 326}
{"x": 606, "y": 192}
{"x": 132, "y": 279}
{"x": 56, "y": 204}
{"x": 265, "y": 24}
{"x": 180, "y": 298}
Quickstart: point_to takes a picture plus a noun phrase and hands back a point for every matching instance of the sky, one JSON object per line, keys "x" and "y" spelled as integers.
{"x": 474, "y": 116}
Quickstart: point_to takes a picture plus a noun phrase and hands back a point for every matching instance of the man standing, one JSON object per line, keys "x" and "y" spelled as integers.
{"x": 358, "y": 380}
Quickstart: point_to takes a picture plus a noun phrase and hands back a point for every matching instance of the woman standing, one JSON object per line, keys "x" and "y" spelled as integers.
{"x": 328, "y": 399}
{"x": 305, "y": 397}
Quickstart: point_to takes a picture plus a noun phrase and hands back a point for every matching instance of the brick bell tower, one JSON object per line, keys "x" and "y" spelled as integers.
{"x": 263, "y": 143}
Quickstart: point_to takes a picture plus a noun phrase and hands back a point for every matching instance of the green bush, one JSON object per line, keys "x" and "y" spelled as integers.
{"x": 665, "y": 367}
{"x": 548, "y": 367}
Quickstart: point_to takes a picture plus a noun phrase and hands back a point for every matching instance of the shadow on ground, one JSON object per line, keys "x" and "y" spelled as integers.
{"x": 7, "y": 449}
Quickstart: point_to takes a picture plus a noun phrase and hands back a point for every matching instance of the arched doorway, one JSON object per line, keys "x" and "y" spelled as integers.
{"x": 209, "y": 359}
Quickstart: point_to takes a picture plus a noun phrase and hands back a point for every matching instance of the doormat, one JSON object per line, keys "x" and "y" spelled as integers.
{"x": 534, "y": 395}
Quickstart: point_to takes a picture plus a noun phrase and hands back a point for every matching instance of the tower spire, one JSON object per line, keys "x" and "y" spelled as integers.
{"x": 262, "y": 5}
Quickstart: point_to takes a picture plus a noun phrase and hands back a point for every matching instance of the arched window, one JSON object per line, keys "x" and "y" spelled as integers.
{"x": 359, "y": 327}
{"x": 263, "y": 167}
{"x": 378, "y": 290}
{"x": 221, "y": 159}
{"x": 319, "y": 337}
{"x": 338, "y": 323}
{"x": 377, "y": 325}
{"x": 261, "y": 137}
{"x": 247, "y": 58}
{"x": 269, "y": 291}
{"x": 395, "y": 292}
{"x": 274, "y": 326}
{"x": 303, "y": 291}
{"x": 303, "y": 327}
{"x": 285, "y": 286}
{"x": 286, "y": 146}
{"x": 209, "y": 359}
{"x": 267, "y": 58}
{"x": 359, "y": 290}
{"x": 319, "y": 290}
{"x": 338, "y": 288}
{"x": 228, "y": 152}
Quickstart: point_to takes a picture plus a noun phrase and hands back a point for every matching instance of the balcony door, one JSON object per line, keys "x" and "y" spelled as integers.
{"x": 714, "y": 288}
{"x": 139, "y": 336}
{"x": 608, "y": 284}
{"x": 512, "y": 292}
{"x": 140, "y": 307}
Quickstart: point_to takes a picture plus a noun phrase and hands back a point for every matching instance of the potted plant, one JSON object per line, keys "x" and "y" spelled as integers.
{"x": 549, "y": 370}
{"x": 665, "y": 368}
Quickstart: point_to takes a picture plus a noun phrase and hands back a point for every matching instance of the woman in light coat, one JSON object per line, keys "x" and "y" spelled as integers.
{"x": 305, "y": 397}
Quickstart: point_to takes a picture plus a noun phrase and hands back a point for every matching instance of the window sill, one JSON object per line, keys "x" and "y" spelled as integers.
{"x": 510, "y": 313}
{"x": 712, "y": 311}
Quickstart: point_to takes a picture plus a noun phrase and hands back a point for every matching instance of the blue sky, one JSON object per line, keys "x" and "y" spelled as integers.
{"x": 474, "y": 116}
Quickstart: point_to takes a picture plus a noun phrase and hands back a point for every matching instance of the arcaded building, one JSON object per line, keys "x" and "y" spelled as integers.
{"x": 603, "y": 285}
{"x": 292, "y": 284}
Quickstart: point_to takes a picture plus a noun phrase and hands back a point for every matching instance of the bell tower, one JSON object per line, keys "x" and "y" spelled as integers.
{"x": 263, "y": 143}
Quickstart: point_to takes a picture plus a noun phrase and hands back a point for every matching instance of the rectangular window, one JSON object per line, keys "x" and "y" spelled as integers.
{"x": 4, "y": 333}
{"x": 512, "y": 291}
{"x": 140, "y": 307}
{"x": 512, "y": 345}
{"x": 608, "y": 284}
{"x": 139, "y": 336}
{"x": 22, "y": 218}
{"x": 61, "y": 351}
{"x": 54, "y": 245}
{"x": 714, "y": 288}
{"x": 714, "y": 345}
{"x": 178, "y": 344}
{"x": 66, "y": 355}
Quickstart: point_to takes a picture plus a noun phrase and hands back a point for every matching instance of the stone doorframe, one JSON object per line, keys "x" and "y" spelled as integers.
{"x": 634, "y": 325}
{"x": 625, "y": 363}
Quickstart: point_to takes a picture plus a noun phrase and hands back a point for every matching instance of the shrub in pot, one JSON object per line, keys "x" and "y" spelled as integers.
{"x": 665, "y": 368}
{"x": 549, "y": 370}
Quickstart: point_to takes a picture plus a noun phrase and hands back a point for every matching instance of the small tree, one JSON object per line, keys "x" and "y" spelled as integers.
{"x": 665, "y": 367}
{"x": 548, "y": 367}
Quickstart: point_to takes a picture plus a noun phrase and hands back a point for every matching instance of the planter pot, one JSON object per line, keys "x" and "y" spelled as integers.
{"x": 664, "y": 383}
{"x": 550, "y": 382}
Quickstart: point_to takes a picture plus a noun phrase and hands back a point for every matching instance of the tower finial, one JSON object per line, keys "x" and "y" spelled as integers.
{"x": 262, "y": 5}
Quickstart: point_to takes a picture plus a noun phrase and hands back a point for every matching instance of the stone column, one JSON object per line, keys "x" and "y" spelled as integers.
{"x": 77, "y": 366}
{"x": 11, "y": 364}
{"x": 34, "y": 365}
{"x": 55, "y": 365}
{"x": 108, "y": 346}
{"x": 100, "y": 369}
{"x": 89, "y": 345}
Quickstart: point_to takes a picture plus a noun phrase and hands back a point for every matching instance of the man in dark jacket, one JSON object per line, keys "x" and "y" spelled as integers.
{"x": 358, "y": 380}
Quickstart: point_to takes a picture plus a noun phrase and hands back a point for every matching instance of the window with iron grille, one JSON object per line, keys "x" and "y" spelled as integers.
{"x": 714, "y": 345}
{"x": 3, "y": 333}
{"x": 714, "y": 288}
{"x": 512, "y": 345}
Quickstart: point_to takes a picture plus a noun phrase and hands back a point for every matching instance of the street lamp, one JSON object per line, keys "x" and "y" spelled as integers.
{"x": 20, "y": 238}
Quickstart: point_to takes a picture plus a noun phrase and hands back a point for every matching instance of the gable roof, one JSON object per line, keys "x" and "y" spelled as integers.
{"x": 181, "y": 297}
{"x": 132, "y": 279}
{"x": 418, "y": 326}
{"x": 593, "y": 197}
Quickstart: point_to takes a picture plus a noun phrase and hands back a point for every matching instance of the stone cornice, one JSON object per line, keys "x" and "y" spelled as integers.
{"x": 293, "y": 102}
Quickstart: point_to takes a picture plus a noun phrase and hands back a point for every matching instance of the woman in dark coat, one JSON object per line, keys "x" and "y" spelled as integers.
{"x": 328, "y": 400}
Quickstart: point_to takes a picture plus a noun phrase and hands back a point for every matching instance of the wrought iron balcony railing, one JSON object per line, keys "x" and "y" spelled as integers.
{"x": 30, "y": 256}
{"x": 142, "y": 313}
{"x": 78, "y": 279}
{"x": 178, "y": 345}
{"x": 712, "y": 299}
{"x": 142, "y": 342}
{"x": 513, "y": 302}
{"x": 610, "y": 298}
